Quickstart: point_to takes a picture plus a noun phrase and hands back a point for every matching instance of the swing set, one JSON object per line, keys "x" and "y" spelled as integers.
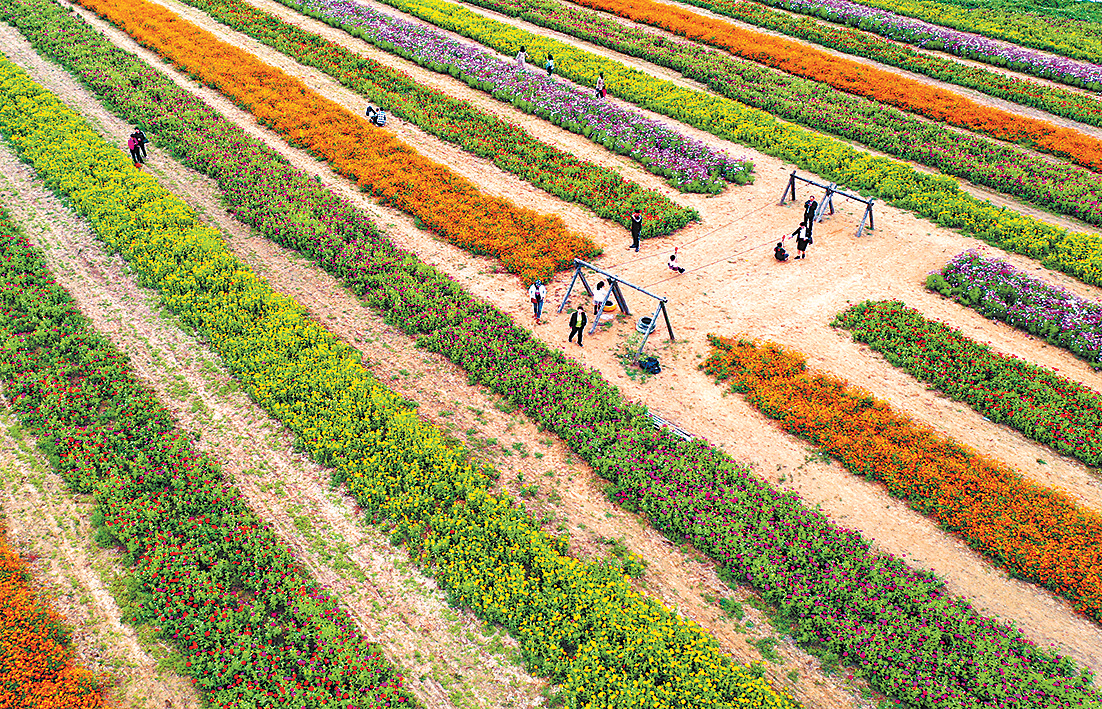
{"x": 828, "y": 199}
{"x": 618, "y": 295}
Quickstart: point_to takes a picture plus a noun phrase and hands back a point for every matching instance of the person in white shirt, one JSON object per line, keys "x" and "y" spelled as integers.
{"x": 537, "y": 292}
{"x": 599, "y": 297}
{"x": 522, "y": 57}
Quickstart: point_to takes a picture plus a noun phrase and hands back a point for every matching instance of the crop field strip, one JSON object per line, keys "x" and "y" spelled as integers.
{"x": 666, "y": 580}
{"x": 398, "y": 438}
{"x": 938, "y": 198}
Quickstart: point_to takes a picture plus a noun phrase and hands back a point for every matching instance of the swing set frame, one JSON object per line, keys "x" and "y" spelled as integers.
{"x": 621, "y": 302}
{"x": 828, "y": 199}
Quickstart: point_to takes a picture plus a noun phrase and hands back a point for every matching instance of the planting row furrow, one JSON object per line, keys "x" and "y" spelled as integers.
{"x": 1074, "y": 105}
{"x": 964, "y": 31}
{"x": 860, "y": 79}
{"x": 918, "y": 640}
{"x": 936, "y": 197}
{"x": 38, "y": 667}
{"x": 509, "y": 147}
{"x": 580, "y": 623}
{"x": 1002, "y": 292}
{"x": 1034, "y": 532}
{"x": 1042, "y": 405}
{"x": 528, "y": 244}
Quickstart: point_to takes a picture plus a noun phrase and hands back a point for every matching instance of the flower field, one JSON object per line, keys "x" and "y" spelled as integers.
{"x": 862, "y": 80}
{"x": 1002, "y": 292}
{"x": 528, "y": 244}
{"x": 932, "y": 196}
{"x": 580, "y": 623}
{"x": 1041, "y": 404}
{"x": 37, "y": 668}
{"x": 1020, "y": 90}
{"x": 1037, "y": 534}
{"x": 931, "y": 24}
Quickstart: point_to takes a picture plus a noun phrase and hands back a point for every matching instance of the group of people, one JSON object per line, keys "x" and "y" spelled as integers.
{"x": 802, "y": 233}
{"x": 136, "y": 145}
{"x": 549, "y": 67}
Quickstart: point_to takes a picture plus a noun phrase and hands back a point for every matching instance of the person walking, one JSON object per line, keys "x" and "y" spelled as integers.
{"x": 599, "y": 297}
{"x": 601, "y": 92}
{"x": 549, "y": 65}
{"x": 522, "y": 57}
{"x": 578, "y": 321}
{"x": 135, "y": 153}
{"x": 537, "y": 292}
{"x": 142, "y": 140}
{"x": 636, "y": 229}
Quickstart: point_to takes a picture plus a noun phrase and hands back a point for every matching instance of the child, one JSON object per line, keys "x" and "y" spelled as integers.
{"x": 779, "y": 253}
{"x": 673, "y": 264}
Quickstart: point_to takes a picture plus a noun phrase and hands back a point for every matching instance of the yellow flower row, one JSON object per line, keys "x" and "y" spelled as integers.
{"x": 580, "y": 623}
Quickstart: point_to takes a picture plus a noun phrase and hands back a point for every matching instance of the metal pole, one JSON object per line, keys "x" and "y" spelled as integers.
{"x": 569, "y": 290}
{"x": 619, "y": 280}
{"x": 666, "y": 315}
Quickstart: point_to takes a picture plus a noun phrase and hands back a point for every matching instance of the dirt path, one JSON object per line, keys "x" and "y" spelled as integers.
{"x": 49, "y": 527}
{"x": 436, "y": 645}
{"x": 697, "y": 403}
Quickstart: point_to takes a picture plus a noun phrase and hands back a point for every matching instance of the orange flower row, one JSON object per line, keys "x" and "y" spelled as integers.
{"x": 37, "y": 670}
{"x": 1034, "y": 532}
{"x": 528, "y": 243}
{"x": 860, "y": 79}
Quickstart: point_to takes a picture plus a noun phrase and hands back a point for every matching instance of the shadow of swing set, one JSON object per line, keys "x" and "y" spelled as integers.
{"x": 614, "y": 291}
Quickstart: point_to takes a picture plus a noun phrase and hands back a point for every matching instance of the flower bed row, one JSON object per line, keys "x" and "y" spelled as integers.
{"x": 964, "y": 31}
{"x": 690, "y": 165}
{"x": 509, "y": 147}
{"x": 860, "y": 79}
{"x": 581, "y": 623}
{"x": 527, "y": 243}
{"x": 751, "y": 529}
{"x": 1061, "y": 102}
{"x": 936, "y": 197}
{"x": 1042, "y": 405}
{"x": 38, "y": 668}
{"x": 1034, "y": 532}
{"x": 1002, "y": 292}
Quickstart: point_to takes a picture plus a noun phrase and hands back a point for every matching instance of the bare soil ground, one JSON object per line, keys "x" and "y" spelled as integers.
{"x": 733, "y": 286}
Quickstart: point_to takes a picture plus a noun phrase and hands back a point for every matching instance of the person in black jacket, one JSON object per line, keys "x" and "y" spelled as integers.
{"x": 803, "y": 240}
{"x": 578, "y": 321}
{"x": 636, "y": 229}
{"x": 779, "y": 253}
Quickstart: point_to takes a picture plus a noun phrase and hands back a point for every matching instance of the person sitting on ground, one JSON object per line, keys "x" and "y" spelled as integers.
{"x": 779, "y": 253}
{"x": 376, "y": 115}
{"x": 673, "y": 264}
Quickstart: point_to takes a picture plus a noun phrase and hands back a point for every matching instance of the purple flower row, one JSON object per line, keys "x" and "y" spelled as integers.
{"x": 688, "y": 163}
{"x": 964, "y": 44}
{"x": 1000, "y": 291}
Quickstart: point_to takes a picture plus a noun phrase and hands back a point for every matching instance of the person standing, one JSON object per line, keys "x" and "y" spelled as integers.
{"x": 537, "y": 292}
{"x": 601, "y": 93}
{"x": 135, "y": 154}
{"x": 522, "y": 57}
{"x": 142, "y": 140}
{"x": 636, "y": 229}
{"x": 578, "y": 321}
{"x": 549, "y": 65}
{"x": 803, "y": 240}
{"x": 599, "y": 297}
